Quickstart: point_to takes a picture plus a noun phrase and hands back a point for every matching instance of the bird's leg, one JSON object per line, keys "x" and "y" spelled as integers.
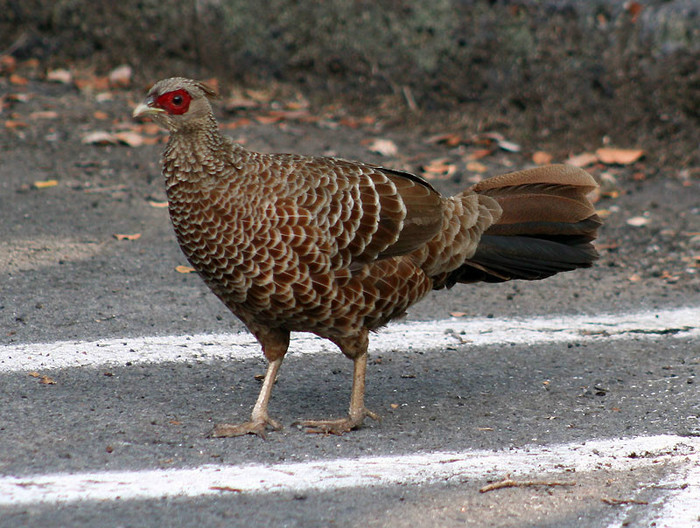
{"x": 358, "y": 412}
{"x": 274, "y": 344}
{"x": 259, "y": 419}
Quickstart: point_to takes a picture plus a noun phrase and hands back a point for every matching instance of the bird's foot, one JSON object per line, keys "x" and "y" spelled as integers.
{"x": 339, "y": 426}
{"x": 256, "y": 426}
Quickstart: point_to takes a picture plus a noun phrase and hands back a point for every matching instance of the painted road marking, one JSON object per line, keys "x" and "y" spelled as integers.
{"x": 680, "y": 322}
{"x": 327, "y": 475}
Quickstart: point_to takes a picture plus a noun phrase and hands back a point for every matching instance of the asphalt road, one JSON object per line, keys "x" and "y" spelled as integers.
{"x": 67, "y": 279}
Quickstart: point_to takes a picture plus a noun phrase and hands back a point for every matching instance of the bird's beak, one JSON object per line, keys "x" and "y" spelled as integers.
{"x": 145, "y": 109}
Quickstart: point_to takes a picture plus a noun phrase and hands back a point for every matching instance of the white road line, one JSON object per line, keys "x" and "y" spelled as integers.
{"x": 325, "y": 475}
{"x": 680, "y": 322}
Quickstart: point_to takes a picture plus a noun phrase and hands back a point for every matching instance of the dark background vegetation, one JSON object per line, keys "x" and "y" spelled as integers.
{"x": 559, "y": 74}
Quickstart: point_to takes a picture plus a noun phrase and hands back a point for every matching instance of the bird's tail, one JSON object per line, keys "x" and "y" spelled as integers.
{"x": 547, "y": 226}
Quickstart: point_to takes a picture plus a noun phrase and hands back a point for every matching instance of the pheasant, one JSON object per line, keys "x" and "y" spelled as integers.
{"x": 340, "y": 248}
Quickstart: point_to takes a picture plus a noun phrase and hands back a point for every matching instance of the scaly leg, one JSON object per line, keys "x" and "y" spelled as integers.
{"x": 259, "y": 419}
{"x": 358, "y": 411}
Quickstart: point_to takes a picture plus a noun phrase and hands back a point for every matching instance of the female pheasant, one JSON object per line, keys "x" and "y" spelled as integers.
{"x": 340, "y": 248}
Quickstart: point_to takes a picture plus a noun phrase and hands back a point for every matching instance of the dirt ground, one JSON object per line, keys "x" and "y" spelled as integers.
{"x": 65, "y": 195}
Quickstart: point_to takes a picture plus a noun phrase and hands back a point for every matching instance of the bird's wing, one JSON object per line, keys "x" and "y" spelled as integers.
{"x": 364, "y": 212}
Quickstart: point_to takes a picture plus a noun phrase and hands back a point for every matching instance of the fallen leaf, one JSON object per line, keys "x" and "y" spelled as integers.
{"x": 634, "y": 278}
{"x": 268, "y": 119}
{"x": 458, "y": 314}
{"x": 451, "y": 140}
{"x": 508, "y": 146}
{"x": 99, "y": 137}
{"x": 99, "y": 114}
{"x": 44, "y": 184}
{"x": 384, "y": 147}
{"x": 475, "y": 166}
{"x": 582, "y": 160}
{"x": 479, "y": 154}
{"x": 43, "y": 378}
{"x": 13, "y": 124}
{"x": 159, "y": 205}
{"x": 19, "y": 97}
{"x": 60, "y": 75}
{"x": 184, "y": 269}
{"x": 634, "y": 9}
{"x": 617, "y": 156}
{"x": 542, "y": 158}
{"x": 132, "y": 139}
{"x": 134, "y": 236}
{"x": 174, "y": 422}
{"x": 7, "y": 64}
{"x": 18, "y": 80}
{"x": 638, "y": 221}
{"x": 46, "y": 380}
{"x": 500, "y": 140}
{"x": 120, "y": 77}
{"x": 46, "y": 114}
{"x": 226, "y": 488}
{"x": 439, "y": 169}
{"x": 394, "y": 405}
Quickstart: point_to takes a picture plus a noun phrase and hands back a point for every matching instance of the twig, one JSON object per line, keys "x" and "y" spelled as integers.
{"x": 615, "y": 502}
{"x": 509, "y": 483}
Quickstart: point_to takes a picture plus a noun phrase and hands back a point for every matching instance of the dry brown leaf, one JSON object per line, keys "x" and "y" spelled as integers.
{"x": 458, "y": 314}
{"x": 60, "y": 75}
{"x": 99, "y": 114}
{"x": 134, "y": 236}
{"x": 479, "y": 154}
{"x": 7, "y": 64}
{"x": 43, "y": 378}
{"x": 99, "y": 137}
{"x": 638, "y": 221}
{"x": 439, "y": 169}
{"x": 44, "y": 184}
{"x": 394, "y": 405}
{"x": 226, "y": 488}
{"x": 451, "y": 140}
{"x": 46, "y": 380}
{"x": 13, "y": 124}
{"x": 132, "y": 139}
{"x": 384, "y": 147}
{"x": 475, "y": 166}
{"x": 18, "y": 80}
{"x": 45, "y": 114}
{"x": 582, "y": 160}
{"x": 542, "y": 158}
{"x": 120, "y": 77}
{"x": 19, "y": 97}
{"x": 617, "y": 156}
{"x": 184, "y": 269}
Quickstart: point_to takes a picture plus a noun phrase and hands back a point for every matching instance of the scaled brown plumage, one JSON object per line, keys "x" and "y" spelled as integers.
{"x": 339, "y": 248}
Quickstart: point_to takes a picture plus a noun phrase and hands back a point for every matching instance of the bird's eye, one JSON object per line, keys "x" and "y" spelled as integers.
{"x": 176, "y": 102}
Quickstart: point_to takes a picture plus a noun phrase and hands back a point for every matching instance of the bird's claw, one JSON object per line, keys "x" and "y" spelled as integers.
{"x": 256, "y": 426}
{"x": 339, "y": 426}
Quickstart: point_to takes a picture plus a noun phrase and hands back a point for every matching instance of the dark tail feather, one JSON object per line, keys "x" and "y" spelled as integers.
{"x": 547, "y": 226}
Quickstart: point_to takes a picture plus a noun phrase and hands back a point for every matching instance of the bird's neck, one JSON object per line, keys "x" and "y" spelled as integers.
{"x": 195, "y": 153}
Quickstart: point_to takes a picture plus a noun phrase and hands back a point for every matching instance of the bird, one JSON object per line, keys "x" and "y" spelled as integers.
{"x": 338, "y": 248}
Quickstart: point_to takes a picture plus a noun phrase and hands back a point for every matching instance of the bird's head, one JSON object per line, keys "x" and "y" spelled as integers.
{"x": 177, "y": 103}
